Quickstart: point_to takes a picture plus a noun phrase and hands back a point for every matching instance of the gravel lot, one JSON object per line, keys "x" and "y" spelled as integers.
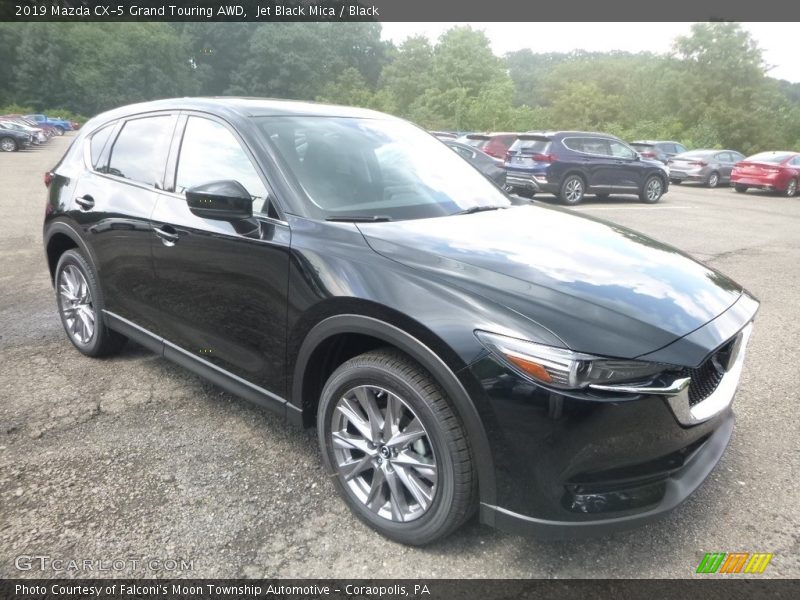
{"x": 135, "y": 458}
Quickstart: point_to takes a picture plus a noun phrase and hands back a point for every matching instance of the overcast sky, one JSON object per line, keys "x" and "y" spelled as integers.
{"x": 779, "y": 41}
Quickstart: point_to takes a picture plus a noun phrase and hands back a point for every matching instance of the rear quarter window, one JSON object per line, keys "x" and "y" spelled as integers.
{"x": 140, "y": 150}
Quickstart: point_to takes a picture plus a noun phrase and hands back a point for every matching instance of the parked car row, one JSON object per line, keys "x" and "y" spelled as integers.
{"x": 18, "y": 132}
{"x": 571, "y": 164}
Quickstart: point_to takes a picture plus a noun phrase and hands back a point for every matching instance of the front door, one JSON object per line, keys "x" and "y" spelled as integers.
{"x": 223, "y": 284}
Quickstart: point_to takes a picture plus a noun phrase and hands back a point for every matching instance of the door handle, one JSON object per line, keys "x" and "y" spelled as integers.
{"x": 86, "y": 202}
{"x": 167, "y": 234}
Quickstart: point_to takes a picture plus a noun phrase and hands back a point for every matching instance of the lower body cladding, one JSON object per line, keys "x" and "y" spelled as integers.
{"x": 568, "y": 467}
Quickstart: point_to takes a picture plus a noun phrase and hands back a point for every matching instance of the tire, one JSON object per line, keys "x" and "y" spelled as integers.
{"x": 676, "y": 181}
{"x": 572, "y": 190}
{"x": 80, "y": 303}
{"x": 713, "y": 180}
{"x": 445, "y": 495}
{"x": 652, "y": 190}
{"x": 8, "y": 144}
{"x": 740, "y": 188}
{"x": 791, "y": 189}
{"x": 59, "y": 130}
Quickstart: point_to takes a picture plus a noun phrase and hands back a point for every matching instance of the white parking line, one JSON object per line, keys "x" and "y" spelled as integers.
{"x": 628, "y": 207}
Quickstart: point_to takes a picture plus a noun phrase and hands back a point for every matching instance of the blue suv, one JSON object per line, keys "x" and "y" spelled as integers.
{"x": 571, "y": 164}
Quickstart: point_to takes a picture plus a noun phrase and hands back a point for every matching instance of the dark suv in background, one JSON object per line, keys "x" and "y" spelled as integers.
{"x": 660, "y": 151}
{"x": 571, "y": 164}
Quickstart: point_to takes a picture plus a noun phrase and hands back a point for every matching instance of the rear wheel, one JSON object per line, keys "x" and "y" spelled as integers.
{"x": 652, "y": 190}
{"x": 398, "y": 452}
{"x": 713, "y": 180}
{"x": 572, "y": 190}
{"x": 8, "y": 144}
{"x": 80, "y": 304}
{"x": 740, "y": 188}
{"x": 791, "y": 188}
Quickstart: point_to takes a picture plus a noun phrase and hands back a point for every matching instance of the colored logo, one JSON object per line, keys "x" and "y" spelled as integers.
{"x": 734, "y": 562}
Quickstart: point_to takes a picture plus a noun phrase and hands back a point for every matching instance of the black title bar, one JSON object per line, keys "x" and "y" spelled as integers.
{"x": 398, "y": 10}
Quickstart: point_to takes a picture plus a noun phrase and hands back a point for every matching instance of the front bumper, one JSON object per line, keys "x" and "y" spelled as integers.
{"x": 676, "y": 489}
{"x": 581, "y": 463}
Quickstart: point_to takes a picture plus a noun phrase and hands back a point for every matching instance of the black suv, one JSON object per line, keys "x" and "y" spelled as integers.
{"x": 570, "y": 164}
{"x": 456, "y": 352}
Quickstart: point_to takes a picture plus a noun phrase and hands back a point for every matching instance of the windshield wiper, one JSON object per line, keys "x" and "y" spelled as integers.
{"x": 475, "y": 209}
{"x": 360, "y": 218}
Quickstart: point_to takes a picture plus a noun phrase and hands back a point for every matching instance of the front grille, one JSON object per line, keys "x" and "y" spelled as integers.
{"x": 707, "y": 376}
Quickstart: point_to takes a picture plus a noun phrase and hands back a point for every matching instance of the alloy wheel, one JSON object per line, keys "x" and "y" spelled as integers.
{"x": 573, "y": 191}
{"x": 76, "y": 304}
{"x": 7, "y": 145}
{"x": 791, "y": 189}
{"x": 653, "y": 190}
{"x": 713, "y": 180}
{"x": 383, "y": 453}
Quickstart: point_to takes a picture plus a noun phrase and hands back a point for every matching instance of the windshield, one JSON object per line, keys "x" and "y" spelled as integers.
{"x": 375, "y": 168}
{"x": 770, "y": 157}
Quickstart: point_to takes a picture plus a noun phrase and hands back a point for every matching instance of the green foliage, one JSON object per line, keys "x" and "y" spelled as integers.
{"x": 713, "y": 90}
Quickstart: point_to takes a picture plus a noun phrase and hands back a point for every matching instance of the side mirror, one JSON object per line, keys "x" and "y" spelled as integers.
{"x": 226, "y": 200}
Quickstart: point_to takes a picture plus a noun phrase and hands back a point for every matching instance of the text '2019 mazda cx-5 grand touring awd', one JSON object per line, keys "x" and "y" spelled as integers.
{"x": 456, "y": 351}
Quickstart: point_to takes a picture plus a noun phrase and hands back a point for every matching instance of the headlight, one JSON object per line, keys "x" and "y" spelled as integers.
{"x": 562, "y": 368}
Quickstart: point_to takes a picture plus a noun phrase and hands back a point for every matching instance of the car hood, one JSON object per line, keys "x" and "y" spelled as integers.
{"x": 599, "y": 287}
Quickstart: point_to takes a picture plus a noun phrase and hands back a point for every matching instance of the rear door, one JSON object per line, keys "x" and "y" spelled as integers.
{"x": 222, "y": 284}
{"x": 114, "y": 199}
{"x": 628, "y": 170}
{"x": 593, "y": 157}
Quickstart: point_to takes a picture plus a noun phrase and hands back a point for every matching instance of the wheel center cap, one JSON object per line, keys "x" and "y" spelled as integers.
{"x": 385, "y": 452}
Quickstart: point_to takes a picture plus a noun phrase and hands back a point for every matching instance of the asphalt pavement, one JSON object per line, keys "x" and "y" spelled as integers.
{"x": 134, "y": 459}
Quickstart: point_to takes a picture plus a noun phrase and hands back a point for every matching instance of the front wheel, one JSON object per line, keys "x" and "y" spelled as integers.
{"x": 59, "y": 130}
{"x": 652, "y": 190}
{"x": 740, "y": 188}
{"x": 572, "y": 190}
{"x": 791, "y": 188}
{"x": 397, "y": 451}
{"x": 8, "y": 144}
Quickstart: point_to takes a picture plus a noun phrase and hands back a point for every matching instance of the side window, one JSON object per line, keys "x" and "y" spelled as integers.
{"x": 595, "y": 146}
{"x": 209, "y": 152}
{"x": 620, "y": 150}
{"x": 679, "y": 148}
{"x": 795, "y": 162}
{"x": 725, "y": 157}
{"x": 140, "y": 151}
{"x": 98, "y": 142}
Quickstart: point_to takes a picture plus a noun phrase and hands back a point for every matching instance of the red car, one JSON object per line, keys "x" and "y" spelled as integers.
{"x": 494, "y": 144}
{"x": 773, "y": 171}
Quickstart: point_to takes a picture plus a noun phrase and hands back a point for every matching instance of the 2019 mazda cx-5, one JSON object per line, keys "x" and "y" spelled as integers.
{"x": 455, "y": 350}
